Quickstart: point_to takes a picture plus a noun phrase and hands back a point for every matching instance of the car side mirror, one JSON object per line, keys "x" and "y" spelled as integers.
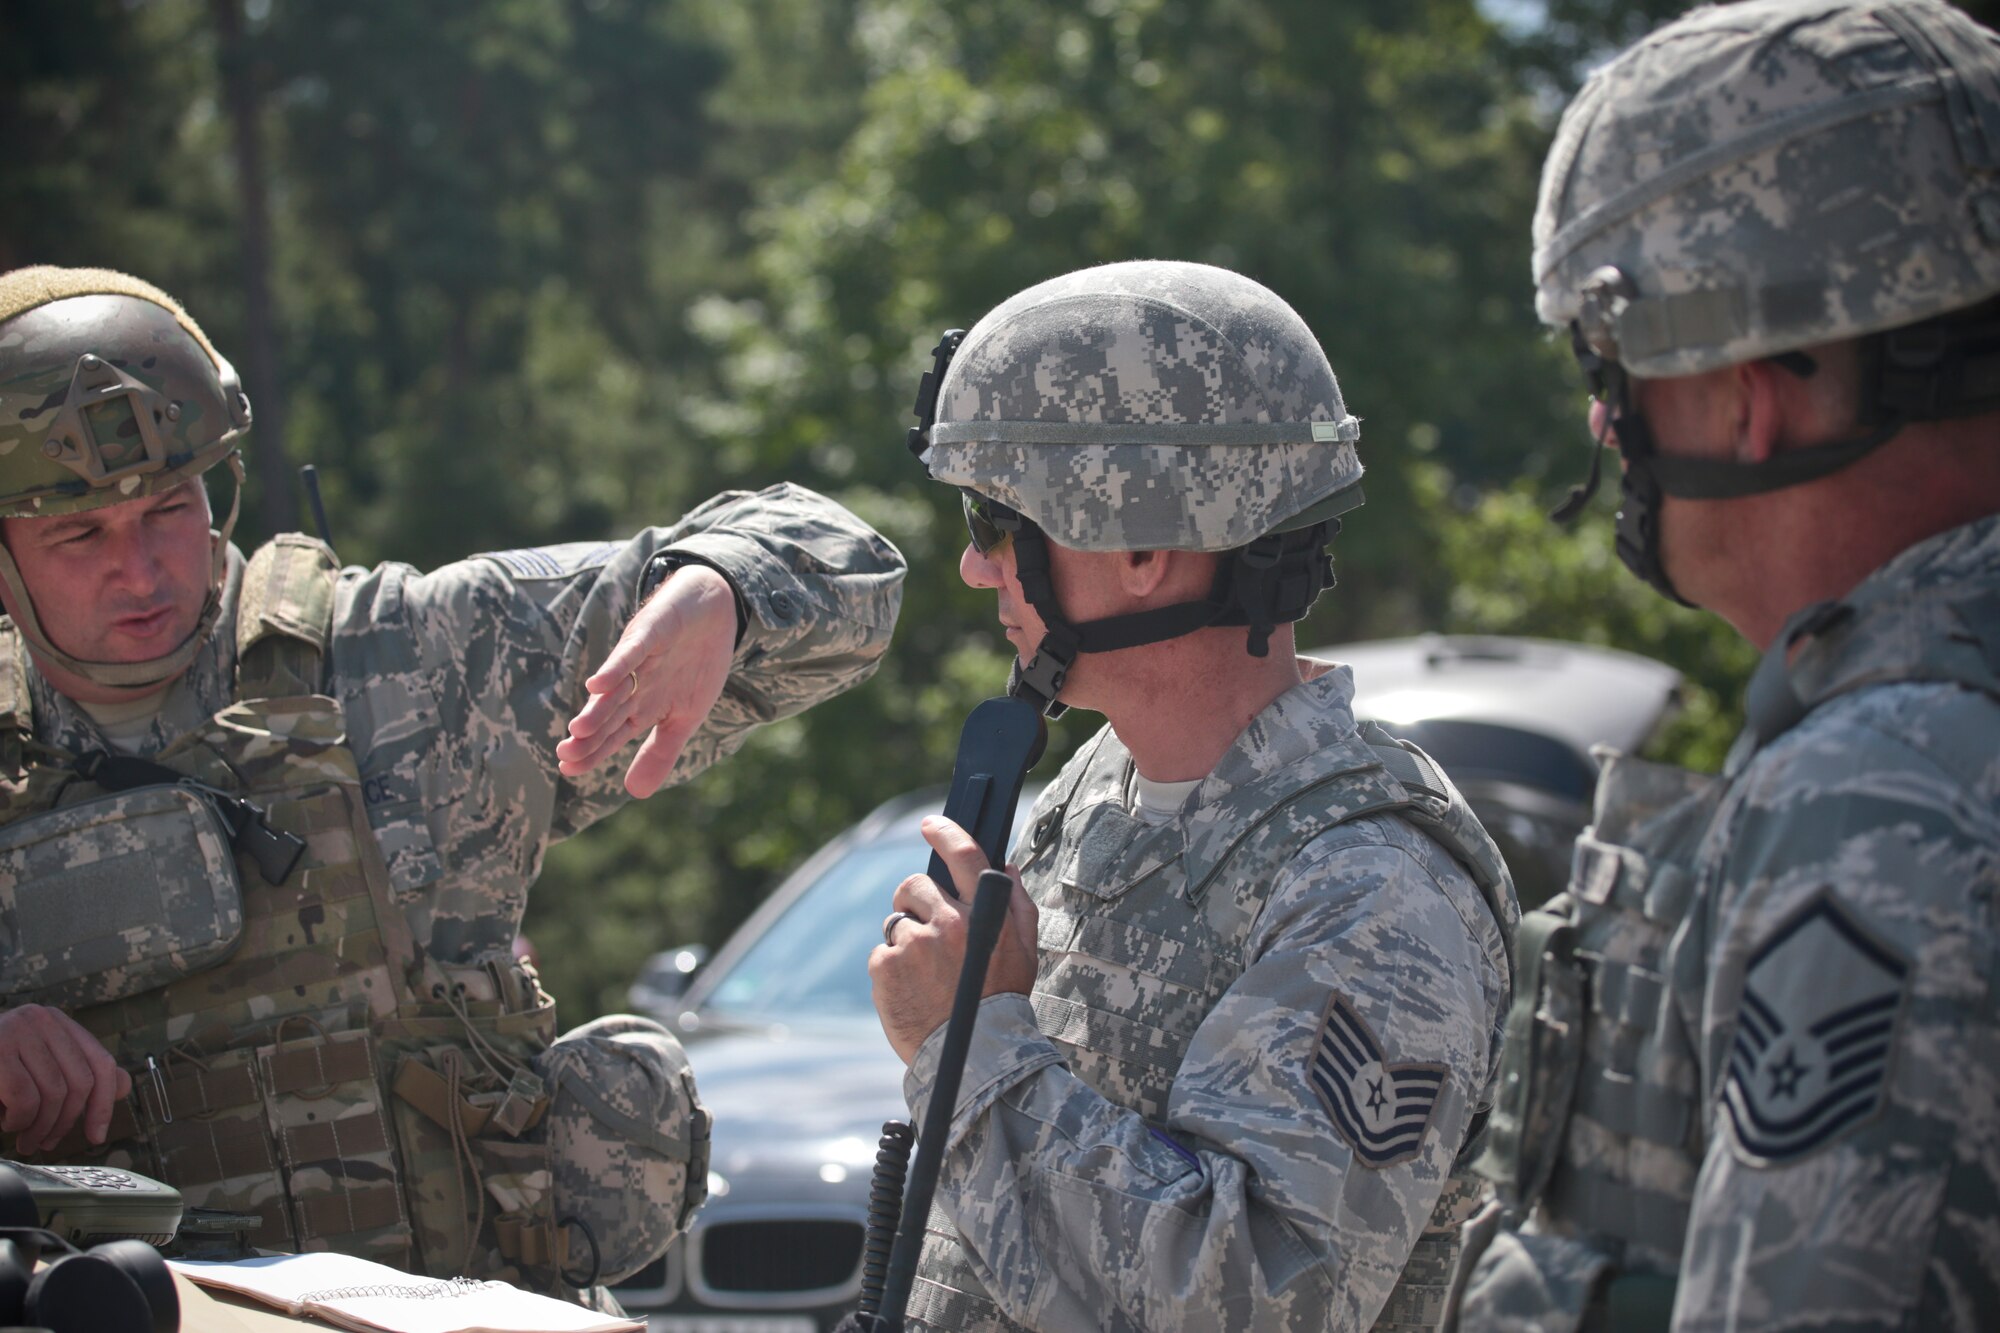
{"x": 666, "y": 977}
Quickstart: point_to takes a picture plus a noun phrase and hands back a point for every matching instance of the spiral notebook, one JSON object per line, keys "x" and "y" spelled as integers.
{"x": 368, "y": 1297}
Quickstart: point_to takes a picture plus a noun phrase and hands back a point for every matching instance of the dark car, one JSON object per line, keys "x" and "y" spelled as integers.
{"x": 1513, "y": 721}
{"x": 792, "y": 1062}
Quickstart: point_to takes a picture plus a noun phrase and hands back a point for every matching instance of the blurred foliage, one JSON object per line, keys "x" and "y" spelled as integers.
{"x": 1503, "y": 568}
{"x": 550, "y": 269}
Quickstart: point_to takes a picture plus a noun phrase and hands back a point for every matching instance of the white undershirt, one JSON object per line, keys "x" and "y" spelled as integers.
{"x": 1157, "y": 802}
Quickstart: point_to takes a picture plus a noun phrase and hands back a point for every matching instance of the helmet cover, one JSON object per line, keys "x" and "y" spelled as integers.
{"x": 1772, "y": 175}
{"x": 1149, "y": 405}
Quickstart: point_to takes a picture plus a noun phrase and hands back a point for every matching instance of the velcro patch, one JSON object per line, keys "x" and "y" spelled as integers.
{"x": 1814, "y": 1036}
{"x": 553, "y": 562}
{"x": 1381, "y": 1110}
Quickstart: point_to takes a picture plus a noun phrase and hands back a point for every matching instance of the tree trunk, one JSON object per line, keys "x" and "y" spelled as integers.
{"x": 278, "y": 507}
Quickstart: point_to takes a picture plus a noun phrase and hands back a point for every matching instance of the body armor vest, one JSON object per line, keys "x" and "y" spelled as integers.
{"x": 322, "y": 1075}
{"x": 1599, "y": 1118}
{"x": 1600, "y": 1127}
{"x": 1161, "y": 915}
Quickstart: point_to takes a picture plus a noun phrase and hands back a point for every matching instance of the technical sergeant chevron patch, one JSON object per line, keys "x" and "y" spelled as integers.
{"x": 1382, "y": 1110}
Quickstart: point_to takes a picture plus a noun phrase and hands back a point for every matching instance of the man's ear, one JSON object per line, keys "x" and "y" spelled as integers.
{"x": 1764, "y": 407}
{"x": 1140, "y": 573}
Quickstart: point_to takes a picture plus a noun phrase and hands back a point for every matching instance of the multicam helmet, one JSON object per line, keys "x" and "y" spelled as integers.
{"x": 1774, "y": 174}
{"x": 108, "y": 392}
{"x": 1152, "y": 405}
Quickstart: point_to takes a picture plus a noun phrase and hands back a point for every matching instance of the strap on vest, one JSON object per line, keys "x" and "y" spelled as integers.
{"x": 516, "y": 1111}
{"x": 274, "y": 850}
{"x": 532, "y": 1245}
{"x": 284, "y": 618}
{"x": 1546, "y": 937}
{"x": 1465, "y": 838}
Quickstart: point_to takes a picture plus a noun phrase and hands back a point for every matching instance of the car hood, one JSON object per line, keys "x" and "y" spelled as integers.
{"x": 819, "y": 1092}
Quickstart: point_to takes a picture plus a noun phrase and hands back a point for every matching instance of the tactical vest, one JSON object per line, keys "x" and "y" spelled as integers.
{"x": 322, "y": 1074}
{"x": 1598, "y": 1122}
{"x": 1149, "y": 911}
{"x": 1600, "y": 1126}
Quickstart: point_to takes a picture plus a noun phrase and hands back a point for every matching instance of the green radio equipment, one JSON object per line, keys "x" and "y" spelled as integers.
{"x": 119, "y": 1283}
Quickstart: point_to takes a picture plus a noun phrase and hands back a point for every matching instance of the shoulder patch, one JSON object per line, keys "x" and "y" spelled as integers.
{"x": 1381, "y": 1110}
{"x": 553, "y": 562}
{"x": 1814, "y": 1036}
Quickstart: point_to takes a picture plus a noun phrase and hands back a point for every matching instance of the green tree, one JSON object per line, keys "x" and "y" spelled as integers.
{"x": 546, "y": 271}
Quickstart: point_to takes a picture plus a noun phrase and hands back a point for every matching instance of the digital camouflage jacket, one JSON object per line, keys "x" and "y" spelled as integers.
{"x": 1758, "y": 1036}
{"x": 1259, "y": 1036}
{"x": 1850, "y": 1033}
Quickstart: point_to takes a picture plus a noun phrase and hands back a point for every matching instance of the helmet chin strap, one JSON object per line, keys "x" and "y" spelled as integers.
{"x": 1649, "y": 475}
{"x": 154, "y": 672}
{"x": 1272, "y": 581}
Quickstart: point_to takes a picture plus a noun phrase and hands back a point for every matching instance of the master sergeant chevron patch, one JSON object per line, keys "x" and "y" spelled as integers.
{"x": 1815, "y": 1036}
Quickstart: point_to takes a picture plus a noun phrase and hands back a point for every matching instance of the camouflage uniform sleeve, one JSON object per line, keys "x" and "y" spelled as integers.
{"x": 1251, "y": 1207}
{"x": 818, "y": 590}
{"x": 460, "y": 683}
{"x": 1852, "y": 1176}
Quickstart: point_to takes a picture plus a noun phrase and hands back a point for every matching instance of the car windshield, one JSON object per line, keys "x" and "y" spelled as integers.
{"x": 812, "y": 963}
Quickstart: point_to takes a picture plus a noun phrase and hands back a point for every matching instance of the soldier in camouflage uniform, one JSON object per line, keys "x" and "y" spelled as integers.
{"x": 267, "y": 827}
{"x": 1753, "y": 1074}
{"x": 1236, "y": 1084}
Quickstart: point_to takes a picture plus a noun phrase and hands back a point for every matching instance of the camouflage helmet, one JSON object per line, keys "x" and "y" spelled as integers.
{"x": 1152, "y": 405}
{"x": 628, "y": 1144}
{"x": 108, "y": 392}
{"x": 1755, "y": 178}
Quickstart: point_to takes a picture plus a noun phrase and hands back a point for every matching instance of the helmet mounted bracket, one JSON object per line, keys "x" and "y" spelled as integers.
{"x": 918, "y": 437}
{"x": 74, "y": 439}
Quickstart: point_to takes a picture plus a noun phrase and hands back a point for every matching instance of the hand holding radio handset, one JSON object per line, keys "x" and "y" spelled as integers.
{"x": 1001, "y": 741}
{"x": 926, "y": 948}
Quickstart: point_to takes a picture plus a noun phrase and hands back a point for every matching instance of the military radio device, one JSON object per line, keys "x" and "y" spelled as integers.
{"x": 77, "y": 1250}
{"x": 999, "y": 743}
{"x": 87, "y": 1205}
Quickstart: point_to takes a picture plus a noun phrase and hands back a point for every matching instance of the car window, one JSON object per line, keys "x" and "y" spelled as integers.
{"x": 811, "y": 964}
{"x": 1470, "y": 750}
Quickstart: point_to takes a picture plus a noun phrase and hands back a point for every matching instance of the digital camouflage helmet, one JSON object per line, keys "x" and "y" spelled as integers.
{"x": 1152, "y": 405}
{"x": 108, "y": 392}
{"x": 1753, "y": 179}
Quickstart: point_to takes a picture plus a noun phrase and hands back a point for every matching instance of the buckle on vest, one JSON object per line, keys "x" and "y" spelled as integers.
{"x": 521, "y": 1105}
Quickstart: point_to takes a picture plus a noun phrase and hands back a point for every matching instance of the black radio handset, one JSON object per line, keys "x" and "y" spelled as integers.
{"x": 1000, "y": 742}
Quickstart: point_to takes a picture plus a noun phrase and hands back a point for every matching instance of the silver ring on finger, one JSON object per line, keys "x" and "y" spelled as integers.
{"x": 889, "y": 927}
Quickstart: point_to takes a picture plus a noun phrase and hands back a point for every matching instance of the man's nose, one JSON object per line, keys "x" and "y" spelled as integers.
{"x": 1600, "y": 424}
{"x": 136, "y": 562}
{"x": 978, "y": 571}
